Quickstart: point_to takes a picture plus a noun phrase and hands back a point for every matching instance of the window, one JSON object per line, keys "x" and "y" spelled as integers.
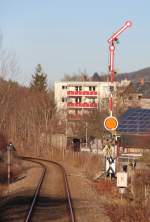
{"x": 78, "y": 88}
{"x": 64, "y": 99}
{"x": 111, "y": 88}
{"x": 139, "y": 97}
{"x": 78, "y": 99}
{"x": 64, "y": 87}
{"x": 130, "y": 97}
{"x": 91, "y": 88}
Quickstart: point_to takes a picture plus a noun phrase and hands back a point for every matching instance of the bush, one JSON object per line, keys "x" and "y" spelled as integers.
{"x": 15, "y": 172}
{"x": 106, "y": 187}
{"x": 127, "y": 212}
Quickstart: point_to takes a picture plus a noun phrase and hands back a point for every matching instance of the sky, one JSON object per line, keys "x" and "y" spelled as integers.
{"x": 70, "y": 36}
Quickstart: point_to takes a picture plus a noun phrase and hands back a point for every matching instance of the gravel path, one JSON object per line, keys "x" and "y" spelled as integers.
{"x": 87, "y": 203}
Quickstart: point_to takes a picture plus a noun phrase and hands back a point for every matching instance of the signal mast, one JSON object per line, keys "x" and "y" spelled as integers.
{"x": 111, "y": 122}
{"x": 112, "y": 40}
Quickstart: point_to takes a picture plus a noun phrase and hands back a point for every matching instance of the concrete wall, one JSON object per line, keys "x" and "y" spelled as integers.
{"x": 58, "y": 141}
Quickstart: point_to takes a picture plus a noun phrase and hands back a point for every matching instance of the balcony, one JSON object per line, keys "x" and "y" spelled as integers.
{"x": 82, "y": 105}
{"x": 81, "y": 93}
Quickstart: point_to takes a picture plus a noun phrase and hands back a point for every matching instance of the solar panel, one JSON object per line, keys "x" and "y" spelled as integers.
{"x": 135, "y": 121}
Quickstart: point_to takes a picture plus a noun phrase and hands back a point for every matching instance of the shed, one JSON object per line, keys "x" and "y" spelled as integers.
{"x": 134, "y": 128}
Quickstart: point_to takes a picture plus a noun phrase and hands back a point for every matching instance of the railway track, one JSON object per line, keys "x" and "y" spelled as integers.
{"x": 44, "y": 208}
{"x": 34, "y": 202}
{"x": 37, "y": 190}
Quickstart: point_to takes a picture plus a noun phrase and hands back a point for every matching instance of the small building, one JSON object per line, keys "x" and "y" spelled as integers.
{"x": 134, "y": 129}
{"x": 136, "y": 94}
{"x": 128, "y": 96}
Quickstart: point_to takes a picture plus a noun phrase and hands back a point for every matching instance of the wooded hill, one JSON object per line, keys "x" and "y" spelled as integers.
{"x": 136, "y": 75}
{"x": 133, "y": 76}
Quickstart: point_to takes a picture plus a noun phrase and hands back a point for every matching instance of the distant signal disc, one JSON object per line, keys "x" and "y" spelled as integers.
{"x": 110, "y": 123}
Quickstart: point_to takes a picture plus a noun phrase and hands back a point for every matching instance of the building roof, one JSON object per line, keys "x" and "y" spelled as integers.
{"x": 135, "y": 121}
{"x": 142, "y": 88}
{"x": 135, "y": 141}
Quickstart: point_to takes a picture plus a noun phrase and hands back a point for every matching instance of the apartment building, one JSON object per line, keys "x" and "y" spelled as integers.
{"x": 73, "y": 98}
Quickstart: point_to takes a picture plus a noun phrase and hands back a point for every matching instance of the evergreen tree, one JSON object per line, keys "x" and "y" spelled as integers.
{"x": 39, "y": 80}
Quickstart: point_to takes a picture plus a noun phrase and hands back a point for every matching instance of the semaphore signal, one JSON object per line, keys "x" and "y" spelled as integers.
{"x": 112, "y": 40}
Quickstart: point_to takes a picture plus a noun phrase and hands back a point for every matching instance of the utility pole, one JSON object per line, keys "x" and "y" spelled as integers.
{"x": 86, "y": 136}
{"x": 10, "y": 148}
{"x": 66, "y": 135}
{"x": 66, "y": 131}
{"x": 8, "y": 163}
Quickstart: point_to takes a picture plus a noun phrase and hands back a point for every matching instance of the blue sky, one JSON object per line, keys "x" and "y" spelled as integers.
{"x": 69, "y": 37}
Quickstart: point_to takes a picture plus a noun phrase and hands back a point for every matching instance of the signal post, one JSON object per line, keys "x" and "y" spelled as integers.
{"x": 111, "y": 122}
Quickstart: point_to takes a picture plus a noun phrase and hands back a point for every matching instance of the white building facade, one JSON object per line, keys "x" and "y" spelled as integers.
{"x": 75, "y": 98}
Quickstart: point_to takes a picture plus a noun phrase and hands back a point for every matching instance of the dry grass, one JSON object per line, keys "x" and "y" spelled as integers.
{"x": 106, "y": 187}
{"x": 127, "y": 212}
{"x": 134, "y": 206}
{"x": 3, "y": 189}
{"x": 87, "y": 162}
{"x": 15, "y": 172}
{"x": 122, "y": 210}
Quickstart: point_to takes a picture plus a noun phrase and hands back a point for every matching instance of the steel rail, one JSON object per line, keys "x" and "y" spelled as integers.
{"x": 67, "y": 190}
{"x": 37, "y": 190}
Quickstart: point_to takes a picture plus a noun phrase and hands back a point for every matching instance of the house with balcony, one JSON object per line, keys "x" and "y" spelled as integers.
{"x": 74, "y": 98}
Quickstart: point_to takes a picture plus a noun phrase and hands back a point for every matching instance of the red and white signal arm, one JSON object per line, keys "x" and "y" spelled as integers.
{"x": 111, "y": 123}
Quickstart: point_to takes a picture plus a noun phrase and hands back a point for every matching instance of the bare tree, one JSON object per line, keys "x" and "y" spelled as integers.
{"x": 8, "y": 65}
{"x": 83, "y": 76}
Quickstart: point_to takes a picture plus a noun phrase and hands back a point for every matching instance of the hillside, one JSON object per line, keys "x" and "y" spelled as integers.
{"x": 135, "y": 76}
